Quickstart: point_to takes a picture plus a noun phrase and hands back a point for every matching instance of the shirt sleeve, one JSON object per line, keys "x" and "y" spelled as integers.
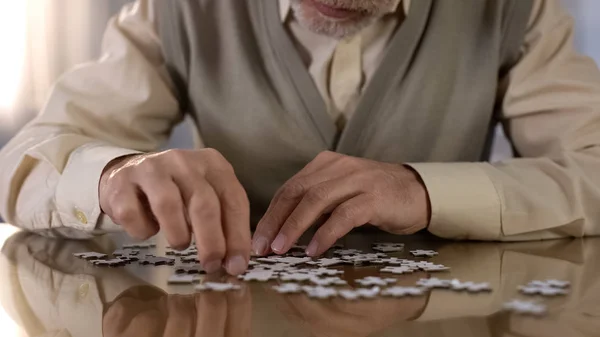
{"x": 551, "y": 113}
{"x": 121, "y": 104}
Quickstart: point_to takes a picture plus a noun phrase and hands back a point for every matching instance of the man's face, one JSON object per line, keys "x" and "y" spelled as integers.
{"x": 340, "y": 18}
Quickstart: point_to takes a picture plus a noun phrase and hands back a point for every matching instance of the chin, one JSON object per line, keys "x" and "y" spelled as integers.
{"x": 309, "y": 17}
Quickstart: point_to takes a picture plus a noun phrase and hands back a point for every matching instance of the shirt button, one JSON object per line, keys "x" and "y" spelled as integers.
{"x": 83, "y": 290}
{"x": 81, "y": 217}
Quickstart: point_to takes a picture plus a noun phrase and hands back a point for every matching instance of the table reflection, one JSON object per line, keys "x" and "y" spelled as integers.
{"x": 49, "y": 293}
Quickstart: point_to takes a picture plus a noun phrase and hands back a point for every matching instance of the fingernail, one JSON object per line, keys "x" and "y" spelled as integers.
{"x": 311, "y": 250}
{"x": 212, "y": 266}
{"x": 259, "y": 245}
{"x": 279, "y": 243}
{"x": 236, "y": 265}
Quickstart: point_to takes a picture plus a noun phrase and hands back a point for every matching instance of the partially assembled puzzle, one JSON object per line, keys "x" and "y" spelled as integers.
{"x": 317, "y": 278}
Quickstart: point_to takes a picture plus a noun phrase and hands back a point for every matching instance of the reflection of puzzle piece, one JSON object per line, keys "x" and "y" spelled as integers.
{"x": 288, "y": 288}
{"x": 544, "y": 291}
{"x": 434, "y": 268}
{"x": 423, "y": 253}
{"x": 345, "y": 252}
{"x": 142, "y": 245}
{"x": 471, "y": 287}
{"x": 298, "y": 277}
{"x": 90, "y": 256}
{"x": 109, "y": 263}
{"x": 433, "y": 282}
{"x": 156, "y": 261}
{"x": 391, "y": 261}
{"x": 525, "y": 307}
{"x": 183, "y": 279}
{"x": 355, "y": 294}
{"x": 388, "y": 247}
{"x": 195, "y": 269}
{"x": 397, "y": 270}
{"x": 319, "y": 292}
{"x": 375, "y": 281}
{"x": 323, "y": 271}
{"x": 326, "y": 262}
{"x": 217, "y": 286}
{"x": 328, "y": 281}
{"x": 258, "y": 275}
{"x": 549, "y": 284}
{"x": 402, "y": 291}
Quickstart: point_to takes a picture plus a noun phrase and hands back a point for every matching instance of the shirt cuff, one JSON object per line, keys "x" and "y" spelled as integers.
{"x": 464, "y": 201}
{"x": 77, "y": 198}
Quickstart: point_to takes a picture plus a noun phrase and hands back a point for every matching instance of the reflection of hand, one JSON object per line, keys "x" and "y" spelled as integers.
{"x": 339, "y": 317}
{"x": 145, "y": 312}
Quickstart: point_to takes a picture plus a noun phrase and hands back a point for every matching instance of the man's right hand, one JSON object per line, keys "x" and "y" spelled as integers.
{"x": 182, "y": 193}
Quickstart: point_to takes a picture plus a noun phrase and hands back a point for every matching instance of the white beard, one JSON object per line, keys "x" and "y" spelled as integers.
{"x": 320, "y": 24}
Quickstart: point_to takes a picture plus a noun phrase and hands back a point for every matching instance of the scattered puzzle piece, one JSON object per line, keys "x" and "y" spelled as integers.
{"x": 90, "y": 256}
{"x": 544, "y": 291}
{"x": 156, "y": 261}
{"x": 191, "y": 259}
{"x": 258, "y": 275}
{"x": 525, "y": 307}
{"x": 126, "y": 252}
{"x": 346, "y": 252}
{"x": 109, "y": 263}
{"x": 397, "y": 270}
{"x": 326, "y": 262}
{"x": 423, "y": 253}
{"x": 146, "y": 245}
{"x": 195, "y": 269}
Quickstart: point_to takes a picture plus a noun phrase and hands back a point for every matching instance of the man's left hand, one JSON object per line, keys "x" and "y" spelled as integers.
{"x": 354, "y": 191}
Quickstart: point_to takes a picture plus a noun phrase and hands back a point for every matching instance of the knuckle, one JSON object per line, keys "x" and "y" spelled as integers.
{"x": 124, "y": 213}
{"x": 346, "y": 213}
{"x": 206, "y": 208}
{"x": 317, "y": 194}
{"x": 329, "y": 233}
{"x": 293, "y": 224}
{"x": 292, "y": 190}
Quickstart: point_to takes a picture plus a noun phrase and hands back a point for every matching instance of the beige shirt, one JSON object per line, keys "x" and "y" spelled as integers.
{"x": 50, "y": 171}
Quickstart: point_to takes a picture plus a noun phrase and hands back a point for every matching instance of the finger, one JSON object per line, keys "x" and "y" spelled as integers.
{"x": 181, "y": 320}
{"x": 350, "y": 214}
{"x": 204, "y": 212}
{"x": 126, "y": 209}
{"x": 212, "y": 314}
{"x": 167, "y": 206}
{"x": 239, "y": 316}
{"x": 235, "y": 215}
{"x": 318, "y": 199}
{"x": 283, "y": 204}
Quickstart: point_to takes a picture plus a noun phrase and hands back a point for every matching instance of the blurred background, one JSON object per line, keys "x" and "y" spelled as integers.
{"x": 43, "y": 38}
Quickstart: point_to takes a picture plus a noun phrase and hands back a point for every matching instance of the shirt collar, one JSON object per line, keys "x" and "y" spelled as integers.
{"x": 285, "y": 6}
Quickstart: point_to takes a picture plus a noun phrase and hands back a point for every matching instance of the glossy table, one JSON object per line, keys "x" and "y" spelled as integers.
{"x": 47, "y": 292}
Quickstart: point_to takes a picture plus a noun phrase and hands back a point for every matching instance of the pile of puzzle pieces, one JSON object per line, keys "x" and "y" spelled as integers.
{"x": 298, "y": 273}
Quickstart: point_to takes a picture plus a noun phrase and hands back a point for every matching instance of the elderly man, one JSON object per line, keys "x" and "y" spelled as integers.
{"x": 372, "y": 112}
